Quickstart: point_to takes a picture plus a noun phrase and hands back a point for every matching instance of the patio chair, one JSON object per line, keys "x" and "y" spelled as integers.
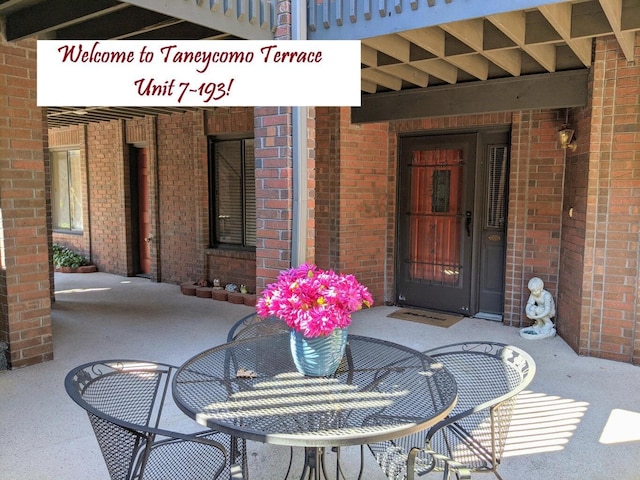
{"x": 472, "y": 438}
{"x": 253, "y": 325}
{"x": 124, "y": 400}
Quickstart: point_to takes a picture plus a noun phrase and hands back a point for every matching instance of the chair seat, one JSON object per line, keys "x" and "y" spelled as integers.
{"x": 184, "y": 460}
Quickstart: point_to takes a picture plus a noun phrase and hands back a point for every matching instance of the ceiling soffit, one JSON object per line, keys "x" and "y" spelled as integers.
{"x": 545, "y": 38}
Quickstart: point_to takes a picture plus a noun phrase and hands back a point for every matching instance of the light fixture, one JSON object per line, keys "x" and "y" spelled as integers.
{"x": 565, "y": 136}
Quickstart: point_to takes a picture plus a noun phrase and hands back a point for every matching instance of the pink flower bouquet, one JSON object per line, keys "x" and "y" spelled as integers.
{"x": 313, "y": 301}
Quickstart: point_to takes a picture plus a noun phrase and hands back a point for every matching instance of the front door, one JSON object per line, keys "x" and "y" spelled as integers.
{"x": 452, "y": 222}
{"x": 436, "y": 221}
{"x": 143, "y": 212}
{"x": 141, "y": 237}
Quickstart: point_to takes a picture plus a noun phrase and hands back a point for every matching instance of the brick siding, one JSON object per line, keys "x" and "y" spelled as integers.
{"x": 25, "y": 273}
{"x": 106, "y": 174}
{"x": 352, "y": 173}
{"x": 609, "y": 321}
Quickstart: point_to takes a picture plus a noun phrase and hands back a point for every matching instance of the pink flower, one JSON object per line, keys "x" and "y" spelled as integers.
{"x": 313, "y": 301}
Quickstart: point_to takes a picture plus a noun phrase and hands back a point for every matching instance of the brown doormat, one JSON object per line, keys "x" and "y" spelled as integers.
{"x": 428, "y": 317}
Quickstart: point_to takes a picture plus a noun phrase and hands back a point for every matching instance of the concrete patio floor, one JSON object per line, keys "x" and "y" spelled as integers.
{"x": 578, "y": 420}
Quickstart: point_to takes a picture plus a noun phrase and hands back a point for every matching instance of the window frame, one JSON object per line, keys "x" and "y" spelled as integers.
{"x": 71, "y": 180}
{"x": 212, "y": 177}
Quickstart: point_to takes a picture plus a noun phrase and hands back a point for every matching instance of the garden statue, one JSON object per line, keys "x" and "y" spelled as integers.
{"x": 541, "y": 309}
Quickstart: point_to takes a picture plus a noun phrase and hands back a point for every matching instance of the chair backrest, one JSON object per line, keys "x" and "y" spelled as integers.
{"x": 123, "y": 399}
{"x": 253, "y": 325}
{"x": 489, "y": 376}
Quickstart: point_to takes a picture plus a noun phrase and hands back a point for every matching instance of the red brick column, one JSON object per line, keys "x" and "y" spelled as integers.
{"x": 535, "y": 209}
{"x": 353, "y": 185}
{"x": 25, "y": 270}
{"x": 609, "y": 325}
{"x": 274, "y": 177}
{"x": 274, "y": 192}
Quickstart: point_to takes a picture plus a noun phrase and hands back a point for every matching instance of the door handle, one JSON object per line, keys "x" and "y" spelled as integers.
{"x": 467, "y": 223}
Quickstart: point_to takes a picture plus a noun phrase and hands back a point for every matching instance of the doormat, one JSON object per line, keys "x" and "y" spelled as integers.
{"x": 428, "y": 317}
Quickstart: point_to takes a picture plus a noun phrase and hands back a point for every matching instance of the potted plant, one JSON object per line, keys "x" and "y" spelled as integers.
{"x": 317, "y": 305}
{"x": 68, "y": 261}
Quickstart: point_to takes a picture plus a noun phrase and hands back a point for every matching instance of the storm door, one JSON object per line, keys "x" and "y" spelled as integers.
{"x": 435, "y": 224}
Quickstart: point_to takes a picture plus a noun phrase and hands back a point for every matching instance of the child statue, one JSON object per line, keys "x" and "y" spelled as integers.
{"x": 541, "y": 309}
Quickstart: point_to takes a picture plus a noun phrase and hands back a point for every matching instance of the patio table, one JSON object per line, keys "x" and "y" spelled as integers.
{"x": 251, "y": 389}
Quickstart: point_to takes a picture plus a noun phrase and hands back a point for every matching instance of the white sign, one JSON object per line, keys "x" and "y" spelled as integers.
{"x": 130, "y": 73}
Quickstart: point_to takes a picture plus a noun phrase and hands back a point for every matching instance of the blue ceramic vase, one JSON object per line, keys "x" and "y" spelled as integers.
{"x": 318, "y": 356}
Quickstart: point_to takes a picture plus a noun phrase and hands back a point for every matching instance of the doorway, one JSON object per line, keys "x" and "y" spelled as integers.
{"x": 140, "y": 212}
{"x": 452, "y": 222}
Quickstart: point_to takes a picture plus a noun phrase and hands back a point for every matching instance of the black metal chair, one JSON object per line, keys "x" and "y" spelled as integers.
{"x": 472, "y": 438}
{"x": 124, "y": 400}
{"x": 253, "y": 325}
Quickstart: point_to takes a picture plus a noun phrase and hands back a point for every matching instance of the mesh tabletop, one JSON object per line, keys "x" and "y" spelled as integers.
{"x": 251, "y": 388}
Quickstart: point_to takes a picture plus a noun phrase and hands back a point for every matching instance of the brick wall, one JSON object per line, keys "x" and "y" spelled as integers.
{"x": 574, "y": 227}
{"x": 106, "y": 174}
{"x": 25, "y": 273}
{"x": 327, "y": 185}
{"x": 274, "y": 183}
{"x": 274, "y": 202}
{"x": 609, "y": 324}
{"x": 353, "y": 197}
{"x": 231, "y": 266}
{"x": 180, "y": 171}
{"x": 534, "y": 209}
{"x": 178, "y": 193}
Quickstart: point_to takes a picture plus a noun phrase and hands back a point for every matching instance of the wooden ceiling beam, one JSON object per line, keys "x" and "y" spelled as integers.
{"x": 613, "y": 10}
{"x": 509, "y": 60}
{"x": 473, "y": 64}
{"x": 438, "y": 68}
{"x": 381, "y": 78}
{"x": 368, "y": 56}
{"x": 393, "y": 45}
{"x": 513, "y": 25}
{"x": 407, "y": 73}
{"x": 469, "y": 32}
{"x": 431, "y": 39}
{"x": 559, "y": 16}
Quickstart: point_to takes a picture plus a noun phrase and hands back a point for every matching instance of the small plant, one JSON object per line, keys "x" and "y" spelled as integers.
{"x": 65, "y": 257}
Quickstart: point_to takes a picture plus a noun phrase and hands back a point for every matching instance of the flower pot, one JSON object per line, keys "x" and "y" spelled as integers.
{"x": 203, "y": 292}
{"x": 87, "y": 269}
{"x": 188, "y": 289}
{"x": 318, "y": 356}
{"x": 219, "y": 294}
{"x": 235, "y": 297}
{"x": 250, "y": 299}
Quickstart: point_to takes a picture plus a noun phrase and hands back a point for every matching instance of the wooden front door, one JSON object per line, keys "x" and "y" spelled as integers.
{"x": 436, "y": 221}
{"x": 452, "y": 222}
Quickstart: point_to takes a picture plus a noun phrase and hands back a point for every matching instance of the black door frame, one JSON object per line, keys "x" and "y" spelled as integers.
{"x": 484, "y": 134}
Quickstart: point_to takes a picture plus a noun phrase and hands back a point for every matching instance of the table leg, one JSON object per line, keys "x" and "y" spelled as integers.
{"x": 315, "y": 467}
{"x": 313, "y": 462}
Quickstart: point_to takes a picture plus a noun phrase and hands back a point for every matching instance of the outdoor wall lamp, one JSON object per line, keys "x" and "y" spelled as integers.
{"x": 565, "y": 136}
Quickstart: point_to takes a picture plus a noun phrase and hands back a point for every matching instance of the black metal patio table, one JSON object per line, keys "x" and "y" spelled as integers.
{"x": 251, "y": 389}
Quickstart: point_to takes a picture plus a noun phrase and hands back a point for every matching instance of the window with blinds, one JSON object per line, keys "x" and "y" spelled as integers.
{"x": 233, "y": 192}
{"x": 496, "y": 186}
{"x": 66, "y": 186}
